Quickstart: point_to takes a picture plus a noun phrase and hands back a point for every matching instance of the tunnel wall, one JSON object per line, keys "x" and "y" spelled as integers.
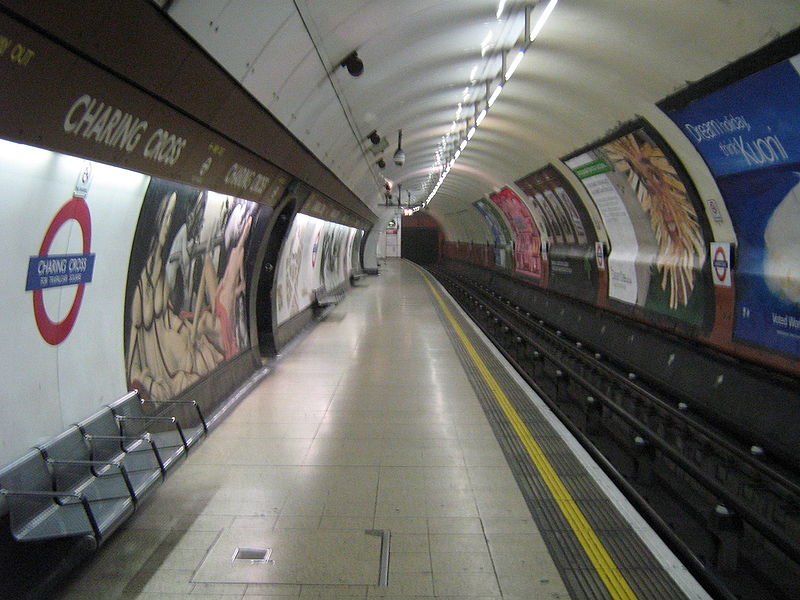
{"x": 134, "y": 216}
{"x": 684, "y": 218}
{"x": 119, "y": 280}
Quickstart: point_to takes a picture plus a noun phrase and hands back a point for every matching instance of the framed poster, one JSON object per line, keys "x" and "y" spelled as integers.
{"x": 503, "y": 256}
{"x": 570, "y": 232}
{"x": 655, "y": 223}
{"x": 527, "y": 241}
{"x": 749, "y": 135}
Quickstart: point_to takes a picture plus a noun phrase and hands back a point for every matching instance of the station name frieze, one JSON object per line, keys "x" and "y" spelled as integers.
{"x": 95, "y": 120}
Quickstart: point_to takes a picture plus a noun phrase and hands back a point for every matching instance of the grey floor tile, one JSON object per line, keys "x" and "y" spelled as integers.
{"x": 337, "y": 439}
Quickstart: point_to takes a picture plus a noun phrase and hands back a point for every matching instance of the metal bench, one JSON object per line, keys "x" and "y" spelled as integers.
{"x": 356, "y": 275}
{"x": 324, "y": 298}
{"x": 138, "y": 454}
{"x": 172, "y": 436}
{"x": 72, "y": 468}
{"x": 39, "y": 512}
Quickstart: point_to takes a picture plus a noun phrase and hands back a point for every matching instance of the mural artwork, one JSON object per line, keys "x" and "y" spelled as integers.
{"x": 185, "y": 312}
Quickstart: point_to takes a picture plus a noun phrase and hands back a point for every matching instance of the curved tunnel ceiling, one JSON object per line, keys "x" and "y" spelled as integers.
{"x": 595, "y": 64}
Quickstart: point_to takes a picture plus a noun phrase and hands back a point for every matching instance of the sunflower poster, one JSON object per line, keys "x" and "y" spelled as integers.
{"x": 749, "y": 135}
{"x": 655, "y": 226}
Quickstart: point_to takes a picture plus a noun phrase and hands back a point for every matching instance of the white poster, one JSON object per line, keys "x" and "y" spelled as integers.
{"x": 624, "y": 281}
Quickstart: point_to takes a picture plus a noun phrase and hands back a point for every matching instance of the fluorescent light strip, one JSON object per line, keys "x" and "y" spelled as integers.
{"x": 495, "y": 94}
{"x": 514, "y": 64}
{"x": 543, "y": 19}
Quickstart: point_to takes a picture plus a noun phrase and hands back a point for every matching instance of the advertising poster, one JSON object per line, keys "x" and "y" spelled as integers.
{"x": 66, "y": 226}
{"x": 348, "y": 260}
{"x": 185, "y": 310}
{"x": 655, "y": 225}
{"x": 527, "y": 241}
{"x": 502, "y": 237}
{"x": 749, "y": 135}
{"x": 570, "y": 233}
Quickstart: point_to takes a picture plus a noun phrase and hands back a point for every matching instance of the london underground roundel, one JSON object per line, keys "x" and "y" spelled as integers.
{"x": 55, "y": 270}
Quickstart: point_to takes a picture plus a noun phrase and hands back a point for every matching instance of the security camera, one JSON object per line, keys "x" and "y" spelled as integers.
{"x": 353, "y": 64}
{"x": 399, "y": 156}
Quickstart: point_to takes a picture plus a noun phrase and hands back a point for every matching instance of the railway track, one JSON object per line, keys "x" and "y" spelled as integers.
{"x": 727, "y": 513}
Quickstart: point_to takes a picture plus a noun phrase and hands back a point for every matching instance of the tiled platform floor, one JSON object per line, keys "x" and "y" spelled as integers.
{"x": 369, "y": 422}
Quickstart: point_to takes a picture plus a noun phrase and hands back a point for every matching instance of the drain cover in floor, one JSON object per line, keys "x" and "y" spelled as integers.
{"x": 295, "y": 557}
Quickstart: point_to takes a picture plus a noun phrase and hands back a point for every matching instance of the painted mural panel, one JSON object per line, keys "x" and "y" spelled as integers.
{"x": 503, "y": 255}
{"x": 527, "y": 241}
{"x": 333, "y": 255}
{"x": 66, "y": 225}
{"x": 749, "y": 135}
{"x": 287, "y": 300}
{"x": 570, "y": 233}
{"x": 185, "y": 309}
{"x": 316, "y": 254}
{"x": 355, "y": 250}
{"x": 655, "y": 225}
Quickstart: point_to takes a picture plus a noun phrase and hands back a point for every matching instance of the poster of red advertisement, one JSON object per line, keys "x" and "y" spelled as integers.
{"x": 527, "y": 240}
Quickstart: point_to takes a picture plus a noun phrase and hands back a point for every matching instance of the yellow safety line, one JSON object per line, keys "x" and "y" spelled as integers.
{"x": 616, "y": 583}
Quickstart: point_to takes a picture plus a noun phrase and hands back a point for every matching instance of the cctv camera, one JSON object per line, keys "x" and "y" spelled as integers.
{"x": 353, "y": 64}
{"x": 399, "y": 158}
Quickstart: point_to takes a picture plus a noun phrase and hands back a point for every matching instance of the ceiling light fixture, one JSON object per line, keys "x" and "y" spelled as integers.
{"x": 514, "y": 64}
{"x": 542, "y": 18}
{"x": 494, "y": 95}
{"x": 537, "y": 13}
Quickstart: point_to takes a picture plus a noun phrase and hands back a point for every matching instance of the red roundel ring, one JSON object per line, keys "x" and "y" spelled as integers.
{"x": 55, "y": 333}
{"x": 722, "y": 272}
